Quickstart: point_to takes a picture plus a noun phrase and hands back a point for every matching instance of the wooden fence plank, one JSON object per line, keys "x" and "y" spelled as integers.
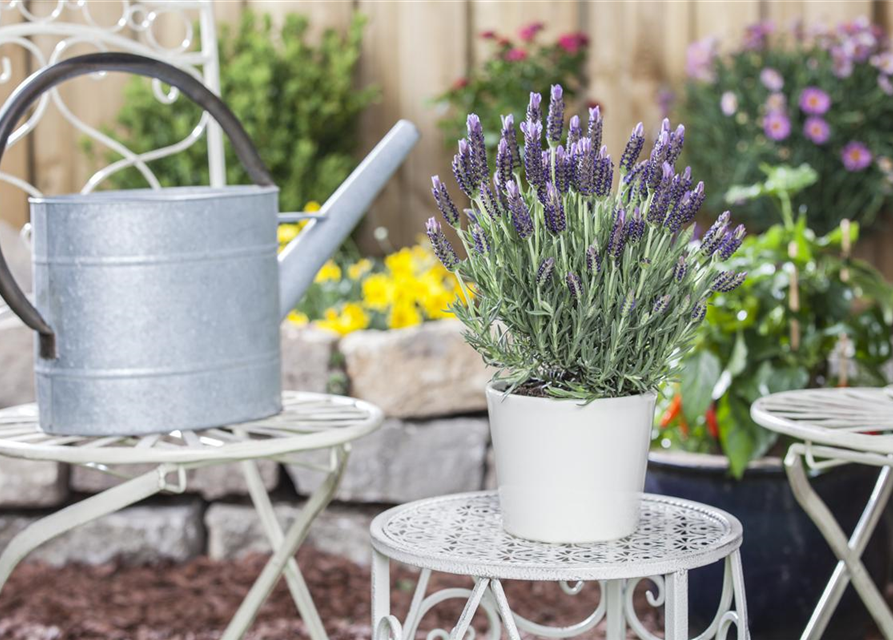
{"x": 332, "y": 14}
{"x": 834, "y": 12}
{"x": 725, "y": 20}
{"x": 14, "y": 207}
{"x": 507, "y": 17}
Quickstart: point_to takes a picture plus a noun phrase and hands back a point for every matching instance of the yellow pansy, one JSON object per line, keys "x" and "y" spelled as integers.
{"x": 404, "y": 315}
{"x": 359, "y": 269}
{"x": 330, "y": 271}
{"x": 298, "y": 318}
{"x": 287, "y": 232}
{"x": 400, "y": 264}
{"x": 312, "y": 206}
{"x": 377, "y": 291}
{"x": 352, "y": 318}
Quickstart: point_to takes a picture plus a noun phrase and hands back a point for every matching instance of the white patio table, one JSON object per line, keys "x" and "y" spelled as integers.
{"x": 837, "y": 426}
{"x": 308, "y": 421}
{"x": 462, "y": 534}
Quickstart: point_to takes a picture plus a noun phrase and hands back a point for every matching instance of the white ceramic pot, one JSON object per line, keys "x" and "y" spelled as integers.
{"x": 570, "y": 472}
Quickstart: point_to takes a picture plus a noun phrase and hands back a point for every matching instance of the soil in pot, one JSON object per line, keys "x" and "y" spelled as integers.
{"x": 787, "y": 562}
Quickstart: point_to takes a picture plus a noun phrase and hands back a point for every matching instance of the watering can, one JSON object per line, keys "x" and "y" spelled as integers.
{"x": 159, "y": 310}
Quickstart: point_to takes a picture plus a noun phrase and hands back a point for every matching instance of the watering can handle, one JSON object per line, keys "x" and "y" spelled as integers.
{"x": 30, "y": 90}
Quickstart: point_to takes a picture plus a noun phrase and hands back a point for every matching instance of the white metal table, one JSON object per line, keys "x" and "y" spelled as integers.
{"x": 308, "y": 421}
{"x": 462, "y": 534}
{"x": 837, "y": 426}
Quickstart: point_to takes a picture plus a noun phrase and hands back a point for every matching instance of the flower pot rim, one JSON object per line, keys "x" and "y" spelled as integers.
{"x": 496, "y": 389}
{"x": 711, "y": 463}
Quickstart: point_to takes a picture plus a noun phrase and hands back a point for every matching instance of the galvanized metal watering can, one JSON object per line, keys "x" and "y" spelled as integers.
{"x": 159, "y": 310}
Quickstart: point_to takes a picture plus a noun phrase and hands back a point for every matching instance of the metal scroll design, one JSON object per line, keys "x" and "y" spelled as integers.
{"x": 136, "y": 29}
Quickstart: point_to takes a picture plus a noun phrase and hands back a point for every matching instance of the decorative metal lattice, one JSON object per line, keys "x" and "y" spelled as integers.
{"x": 137, "y": 27}
{"x": 464, "y": 534}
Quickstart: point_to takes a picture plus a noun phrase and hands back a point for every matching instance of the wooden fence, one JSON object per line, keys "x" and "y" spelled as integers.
{"x": 414, "y": 49}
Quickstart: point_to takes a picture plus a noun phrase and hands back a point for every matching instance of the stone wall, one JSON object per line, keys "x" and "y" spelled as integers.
{"x": 435, "y": 440}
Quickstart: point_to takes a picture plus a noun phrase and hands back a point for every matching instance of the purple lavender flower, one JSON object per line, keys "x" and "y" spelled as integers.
{"x": 617, "y": 242}
{"x": 660, "y": 204}
{"x": 574, "y": 131}
{"x": 564, "y": 164}
{"x": 771, "y": 79}
{"x": 504, "y": 162}
{"x": 694, "y": 204}
{"x": 682, "y": 183}
{"x": 442, "y": 247}
{"x": 633, "y": 148}
{"x": 533, "y": 159}
{"x": 508, "y": 133}
{"x": 544, "y": 273}
{"x": 585, "y": 167}
{"x": 534, "y": 111}
{"x": 715, "y": 234}
{"x": 654, "y": 170}
{"x": 817, "y": 130}
{"x": 481, "y": 241}
{"x": 593, "y": 260}
{"x": 635, "y": 226}
{"x": 555, "y": 118}
{"x": 661, "y": 305}
{"x": 444, "y": 202}
{"x": 727, "y": 281}
{"x": 478, "y": 148}
{"x": 680, "y": 270}
{"x": 604, "y": 173}
{"x": 554, "y": 210}
{"x": 776, "y": 126}
{"x": 699, "y": 311}
{"x": 814, "y": 101}
{"x": 574, "y": 285}
{"x": 856, "y": 156}
{"x": 730, "y": 242}
{"x": 594, "y": 132}
{"x": 677, "y": 140}
{"x": 490, "y": 202}
{"x": 463, "y": 169}
{"x": 521, "y": 219}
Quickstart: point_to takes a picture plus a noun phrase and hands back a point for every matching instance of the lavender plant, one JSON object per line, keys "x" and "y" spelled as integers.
{"x": 573, "y": 290}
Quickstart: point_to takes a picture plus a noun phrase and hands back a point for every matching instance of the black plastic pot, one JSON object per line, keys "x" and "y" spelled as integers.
{"x": 787, "y": 562}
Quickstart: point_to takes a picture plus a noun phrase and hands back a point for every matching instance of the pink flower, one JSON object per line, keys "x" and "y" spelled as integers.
{"x": 489, "y": 34}
{"x": 573, "y": 42}
{"x": 699, "y": 60}
{"x": 529, "y": 32}
{"x": 460, "y": 83}
{"x": 516, "y": 55}
{"x": 883, "y": 62}
{"x": 814, "y": 101}
{"x": 728, "y": 103}
{"x": 771, "y": 79}
{"x": 855, "y": 156}
{"x": 776, "y": 102}
{"x": 816, "y": 130}
{"x": 884, "y": 83}
{"x": 777, "y": 126}
{"x": 843, "y": 63}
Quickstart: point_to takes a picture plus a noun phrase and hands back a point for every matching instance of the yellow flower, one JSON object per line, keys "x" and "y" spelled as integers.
{"x": 378, "y": 291}
{"x": 359, "y": 269}
{"x": 330, "y": 271}
{"x": 404, "y": 315}
{"x": 298, "y": 318}
{"x": 312, "y": 206}
{"x": 287, "y": 232}
{"x": 400, "y": 263}
{"x": 352, "y": 318}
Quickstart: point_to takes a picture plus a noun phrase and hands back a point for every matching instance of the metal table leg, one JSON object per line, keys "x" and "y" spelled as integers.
{"x": 847, "y": 551}
{"x": 87, "y": 510}
{"x": 676, "y": 609}
{"x": 285, "y": 551}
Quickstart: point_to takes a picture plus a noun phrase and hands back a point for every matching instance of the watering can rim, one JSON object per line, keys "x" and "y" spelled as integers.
{"x": 199, "y": 192}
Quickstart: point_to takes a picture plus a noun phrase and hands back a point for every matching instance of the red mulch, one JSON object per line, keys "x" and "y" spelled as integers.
{"x": 195, "y": 600}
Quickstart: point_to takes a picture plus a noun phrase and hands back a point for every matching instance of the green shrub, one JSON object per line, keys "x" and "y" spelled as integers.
{"x": 298, "y": 102}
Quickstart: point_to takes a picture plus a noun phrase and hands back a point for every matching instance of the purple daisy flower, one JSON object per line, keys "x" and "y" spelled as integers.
{"x": 776, "y": 126}
{"x": 814, "y": 101}
{"x": 856, "y": 156}
{"x": 771, "y": 79}
{"x": 817, "y": 130}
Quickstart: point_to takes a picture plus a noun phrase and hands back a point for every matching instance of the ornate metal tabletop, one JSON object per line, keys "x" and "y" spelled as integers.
{"x": 856, "y": 418}
{"x": 463, "y": 534}
{"x": 307, "y": 421}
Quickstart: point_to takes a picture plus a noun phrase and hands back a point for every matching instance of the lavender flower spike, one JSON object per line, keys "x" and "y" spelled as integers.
{"x": 555, "y": 119}
{"x": 629, "y": 303}
{"x": 505, "y": 163}
{"x": 533, "y": 160}
{"x": 556, "y": 222}
{"x": 680, "y": 269}
{"x": 731, "y": 242}
{"x": 715, "y": 234}
{"x": 534, "y": 112}
{"x": 677, "y": 139}
{"x": 491, "y": 203}
{"x": 605, "y": 174}
{"x": 463, "y": 170}
{"x": 481, "y": 241}
{"x": 728, "y": 281}
{"x": 574, "y": 285}
{"x": 699, "y": 311}
{"x": 633, "y": 148}
{"x": 585, "y": 167}
{"x": 661, "y": 305}
{"x": 593, "y": 260}
{"x": 521, "y": 219}
{"x": 442, "y": 247}
{"x": 574, "y": 131}
{"x": 508, "y": 132}
{"x": 478, "y": 148}
{"x": 544, "y": 273}
{"x": 617, "y": 241}
{"x": 444, "y": 202}
{"x": 594, "y": 132}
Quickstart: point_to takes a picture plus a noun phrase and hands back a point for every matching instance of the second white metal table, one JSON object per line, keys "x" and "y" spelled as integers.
{"x": 462, "y": 534}
{"x": 837, "y": 426}
{"x": 308, "y": 421}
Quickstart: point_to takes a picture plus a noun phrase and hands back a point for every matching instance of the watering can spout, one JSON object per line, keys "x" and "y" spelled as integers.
{"x": 324, "y": 233}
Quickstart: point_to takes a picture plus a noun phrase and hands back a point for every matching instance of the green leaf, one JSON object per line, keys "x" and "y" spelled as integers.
{"x": 699, "y": 375}
{"x": 738, "y": 361}
{"x": 741, "y": 438}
